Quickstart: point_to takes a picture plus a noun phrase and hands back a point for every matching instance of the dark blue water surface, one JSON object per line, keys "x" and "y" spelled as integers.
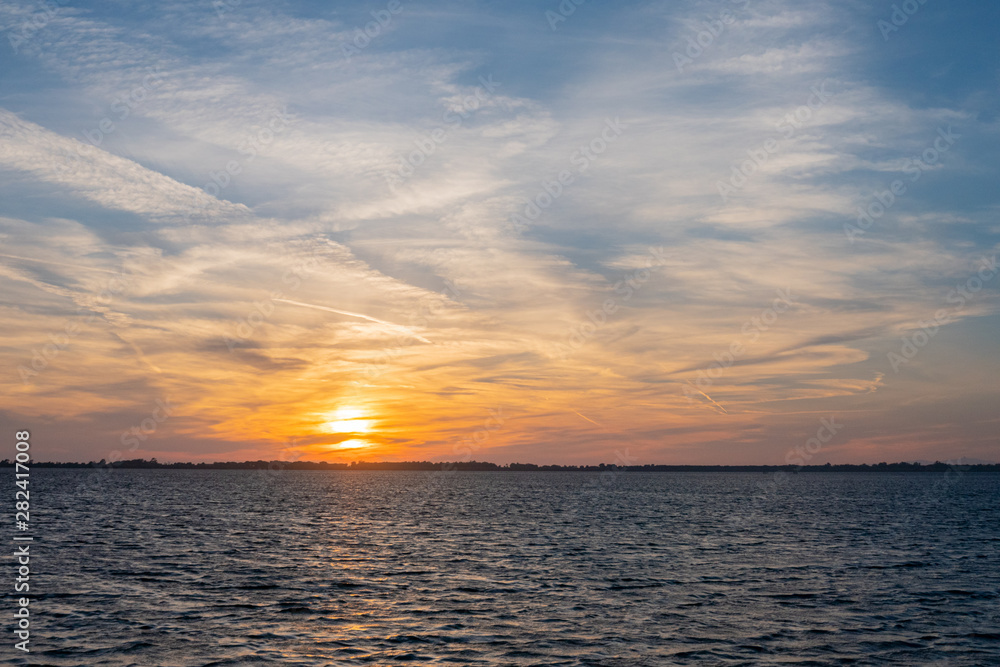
{"x": 184, "y": 568}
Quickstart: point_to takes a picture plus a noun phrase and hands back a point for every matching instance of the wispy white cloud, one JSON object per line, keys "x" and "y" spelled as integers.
{"x": 309, "y": 206}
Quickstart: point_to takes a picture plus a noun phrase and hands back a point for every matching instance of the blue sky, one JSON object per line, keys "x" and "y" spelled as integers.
{"x": 337, "y": 246}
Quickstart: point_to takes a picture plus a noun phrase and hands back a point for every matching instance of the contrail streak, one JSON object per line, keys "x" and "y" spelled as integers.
{"x": 75, "y": 266}
{"x": 589, "y": 419}
{"x": 711, "y": 400}
{"x": 398, "y": 327}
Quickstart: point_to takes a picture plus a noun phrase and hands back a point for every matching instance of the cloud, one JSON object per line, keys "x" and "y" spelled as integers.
{"x": 269, "y": 170}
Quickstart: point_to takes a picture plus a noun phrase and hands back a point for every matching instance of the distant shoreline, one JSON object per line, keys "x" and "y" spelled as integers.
{"x": 482, "y": 466}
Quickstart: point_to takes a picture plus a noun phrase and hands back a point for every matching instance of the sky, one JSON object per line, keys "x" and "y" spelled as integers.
{"x": 729, "y": 232}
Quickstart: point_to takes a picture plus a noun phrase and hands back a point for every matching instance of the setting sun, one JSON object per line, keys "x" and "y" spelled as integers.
{"x": 347, "y": 420}
{"x": 351, "y": 444}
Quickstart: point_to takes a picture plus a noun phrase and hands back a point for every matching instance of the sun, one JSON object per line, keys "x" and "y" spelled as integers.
{"x": 347, "y": 420}
{"x": 352, "y": 444}
{"x": 348, "y": 413}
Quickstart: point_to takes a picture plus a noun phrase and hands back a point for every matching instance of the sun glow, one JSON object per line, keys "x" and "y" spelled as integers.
{"x": 352, "y": 444}
{"x": 347, "y": 420}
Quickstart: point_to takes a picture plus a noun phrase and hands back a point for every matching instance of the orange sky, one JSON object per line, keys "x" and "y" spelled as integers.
{"x": 487, "y": 238}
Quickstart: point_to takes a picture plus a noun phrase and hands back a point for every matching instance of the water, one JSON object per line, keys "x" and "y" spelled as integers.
{"x": 184, "y": 568}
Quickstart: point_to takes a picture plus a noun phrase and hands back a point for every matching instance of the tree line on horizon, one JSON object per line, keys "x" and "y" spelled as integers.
{"x": 937, "y": 466}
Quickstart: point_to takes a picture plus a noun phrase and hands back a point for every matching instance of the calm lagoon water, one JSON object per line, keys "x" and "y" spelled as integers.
{"x": 185, "y": 568}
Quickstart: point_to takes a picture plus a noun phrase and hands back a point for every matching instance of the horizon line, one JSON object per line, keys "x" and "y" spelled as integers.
{"x": 153, "y": 463}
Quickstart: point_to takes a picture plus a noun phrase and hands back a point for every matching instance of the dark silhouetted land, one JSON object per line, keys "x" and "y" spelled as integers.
{"x": 153, "y": 464}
